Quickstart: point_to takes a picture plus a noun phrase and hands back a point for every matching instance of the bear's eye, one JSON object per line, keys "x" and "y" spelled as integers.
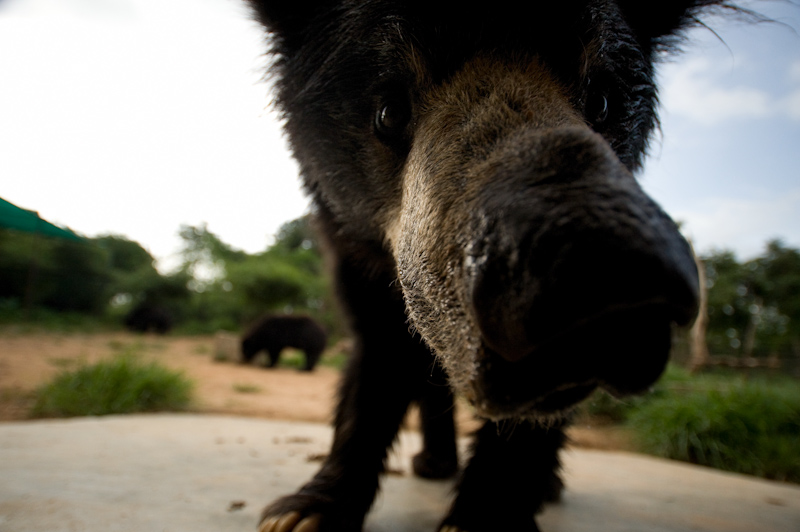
{"x": 597, "y": 109}
{"x": 392, "y": 117}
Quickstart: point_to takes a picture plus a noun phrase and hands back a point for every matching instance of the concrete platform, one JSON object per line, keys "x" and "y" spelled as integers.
{"x": 174, "y": 473}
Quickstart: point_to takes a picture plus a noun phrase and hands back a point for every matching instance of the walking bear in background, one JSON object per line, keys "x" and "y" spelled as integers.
{"x": 274, "y": 333}
{"x": 471, "y": 169}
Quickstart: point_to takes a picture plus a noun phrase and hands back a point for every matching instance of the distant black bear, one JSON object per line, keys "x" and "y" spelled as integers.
{"x": 471, "y": 170}
{"x": 149, "y": 318}
{"x": 274, "y": 333}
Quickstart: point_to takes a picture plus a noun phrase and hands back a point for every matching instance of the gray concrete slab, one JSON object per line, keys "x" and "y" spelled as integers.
{"x": 176, "y": 473}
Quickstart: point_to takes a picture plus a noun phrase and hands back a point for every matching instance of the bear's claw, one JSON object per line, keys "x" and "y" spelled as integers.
{"x": 290, "y": 522}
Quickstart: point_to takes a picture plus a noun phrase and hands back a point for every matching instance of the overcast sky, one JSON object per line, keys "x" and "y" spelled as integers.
{"x": 133, "y": 117}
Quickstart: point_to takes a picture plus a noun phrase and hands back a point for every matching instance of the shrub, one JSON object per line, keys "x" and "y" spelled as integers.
{"x": 334, "y": 359}
{"x": 729, "y": 424}
{"x": 121, "y": 385}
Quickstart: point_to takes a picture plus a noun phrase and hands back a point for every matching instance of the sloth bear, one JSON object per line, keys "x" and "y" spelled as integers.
{"x": 145, "y": 317}
{"x": 471, "y": 170}
{"x": 274, "y": 333}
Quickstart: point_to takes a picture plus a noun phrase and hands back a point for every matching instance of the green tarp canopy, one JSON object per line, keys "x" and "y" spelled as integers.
{"x": 13, "y": 217}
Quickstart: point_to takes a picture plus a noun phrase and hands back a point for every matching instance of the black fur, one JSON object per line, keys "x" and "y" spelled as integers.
{"x": 470, "y": 170}
{"x": 148, "y": 318}
{"x": 275, "y": 333}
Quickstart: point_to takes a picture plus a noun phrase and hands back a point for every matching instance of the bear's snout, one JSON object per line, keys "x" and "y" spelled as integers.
{"x": 575, "y": 278}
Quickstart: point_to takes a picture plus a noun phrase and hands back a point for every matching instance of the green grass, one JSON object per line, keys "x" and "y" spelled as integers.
{"x": 122, "y": 385}
{"x": 335, "y": 360}
{"x": 292, "y": 358}
{"x": 719, "y": 419}
{"x": 38, "y": 320}
{"x": 246, "y": 388}
{"x": 727, "y": 423}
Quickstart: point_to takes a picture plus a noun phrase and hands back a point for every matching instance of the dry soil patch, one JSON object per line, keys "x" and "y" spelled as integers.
{"x": 29, "y": 360}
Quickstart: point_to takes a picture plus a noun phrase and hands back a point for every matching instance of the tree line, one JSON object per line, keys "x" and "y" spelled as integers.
{"x": 216, "y": 286}
{"x": 753, "y": 306}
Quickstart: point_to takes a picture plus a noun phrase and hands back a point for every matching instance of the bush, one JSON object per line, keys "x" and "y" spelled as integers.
{"x": 728, "y": 424}
{"x": 42, "y": 319}
{"x": 122, "y": 385}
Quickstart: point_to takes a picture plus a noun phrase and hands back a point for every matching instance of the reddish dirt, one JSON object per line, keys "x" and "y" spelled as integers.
{"x": 27, "y": 361}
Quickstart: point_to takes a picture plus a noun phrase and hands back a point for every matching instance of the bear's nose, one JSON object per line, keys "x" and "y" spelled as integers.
{"x": 593, "y": 276}
{"x": 564, "y": 251}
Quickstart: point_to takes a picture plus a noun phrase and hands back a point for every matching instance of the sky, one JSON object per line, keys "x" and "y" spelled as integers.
{"x": 134, "y": 117}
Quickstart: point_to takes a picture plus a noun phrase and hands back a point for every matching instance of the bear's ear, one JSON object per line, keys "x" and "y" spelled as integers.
{"x": 656, "y": 21}
{"x": 287, "y": 17}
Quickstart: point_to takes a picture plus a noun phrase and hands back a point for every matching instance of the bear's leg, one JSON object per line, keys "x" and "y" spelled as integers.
{"x": 513, "y": 471}
{"x": 438, "y": 458}
{"x": 312, "y": 356}
{"x": 273, "y": 355}
{"x": 385, "y": 373}
{"x": 372, "y": 405}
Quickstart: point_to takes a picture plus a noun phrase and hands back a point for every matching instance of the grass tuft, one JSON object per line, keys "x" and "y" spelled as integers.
{"x": 122, "y": 385}
{"x": 750, "y": 427}
{"x": 246, "y": 388}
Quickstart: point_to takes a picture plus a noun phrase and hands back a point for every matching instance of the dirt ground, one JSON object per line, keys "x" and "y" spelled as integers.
{"x": 225, "y": 387}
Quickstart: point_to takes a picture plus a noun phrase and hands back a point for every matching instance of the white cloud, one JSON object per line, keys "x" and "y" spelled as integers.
{"x": 689, "y": 90}
{"x": 743, "y": 225}
{"x": 140, "y": 120}
{"x": 794, "y": 71}
{"x": 792, "y": 104}
{"x": 692, "y": 90}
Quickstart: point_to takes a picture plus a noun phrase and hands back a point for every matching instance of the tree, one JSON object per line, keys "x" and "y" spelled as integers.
{"x": 754, "y": 308}
{"x": 774, "y": 280}
{"x": 297, "y": 234}
{"x": 79, "y": 278}
{"x": 125, "y": 255}
{"x": 136, "y": 281}
{"x": 61, "y": 275}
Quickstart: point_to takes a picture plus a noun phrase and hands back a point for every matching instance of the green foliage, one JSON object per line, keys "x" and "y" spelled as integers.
{"x": 205, "y": 256}
{"x": 125, "y": 255}
{"x": 721, "y": 419}
{"x": 201, "y": 244}
{"x": 754, "y": 307}
{"x": 334, "y": 360}
{"x": 727, "y": 306}
{"x": 238, "y": 288}
{"x": 726, "y": 423}
{"x": 217, "y": 287}
{"x": 295, "y": 359}
{"x": 134, "y": 276}
{"x": 61, "y": 275}
{"x": 292, "y": 359}
{"x": 41, "y": 275}
{"x": 40, "y": 319}
{"x": 273, "y": 281}
{"x": 145, "y": 286}
{"x": 81, "y": 278}
{"x": 297, "y": 234}
{"x": 121, "y": 385}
